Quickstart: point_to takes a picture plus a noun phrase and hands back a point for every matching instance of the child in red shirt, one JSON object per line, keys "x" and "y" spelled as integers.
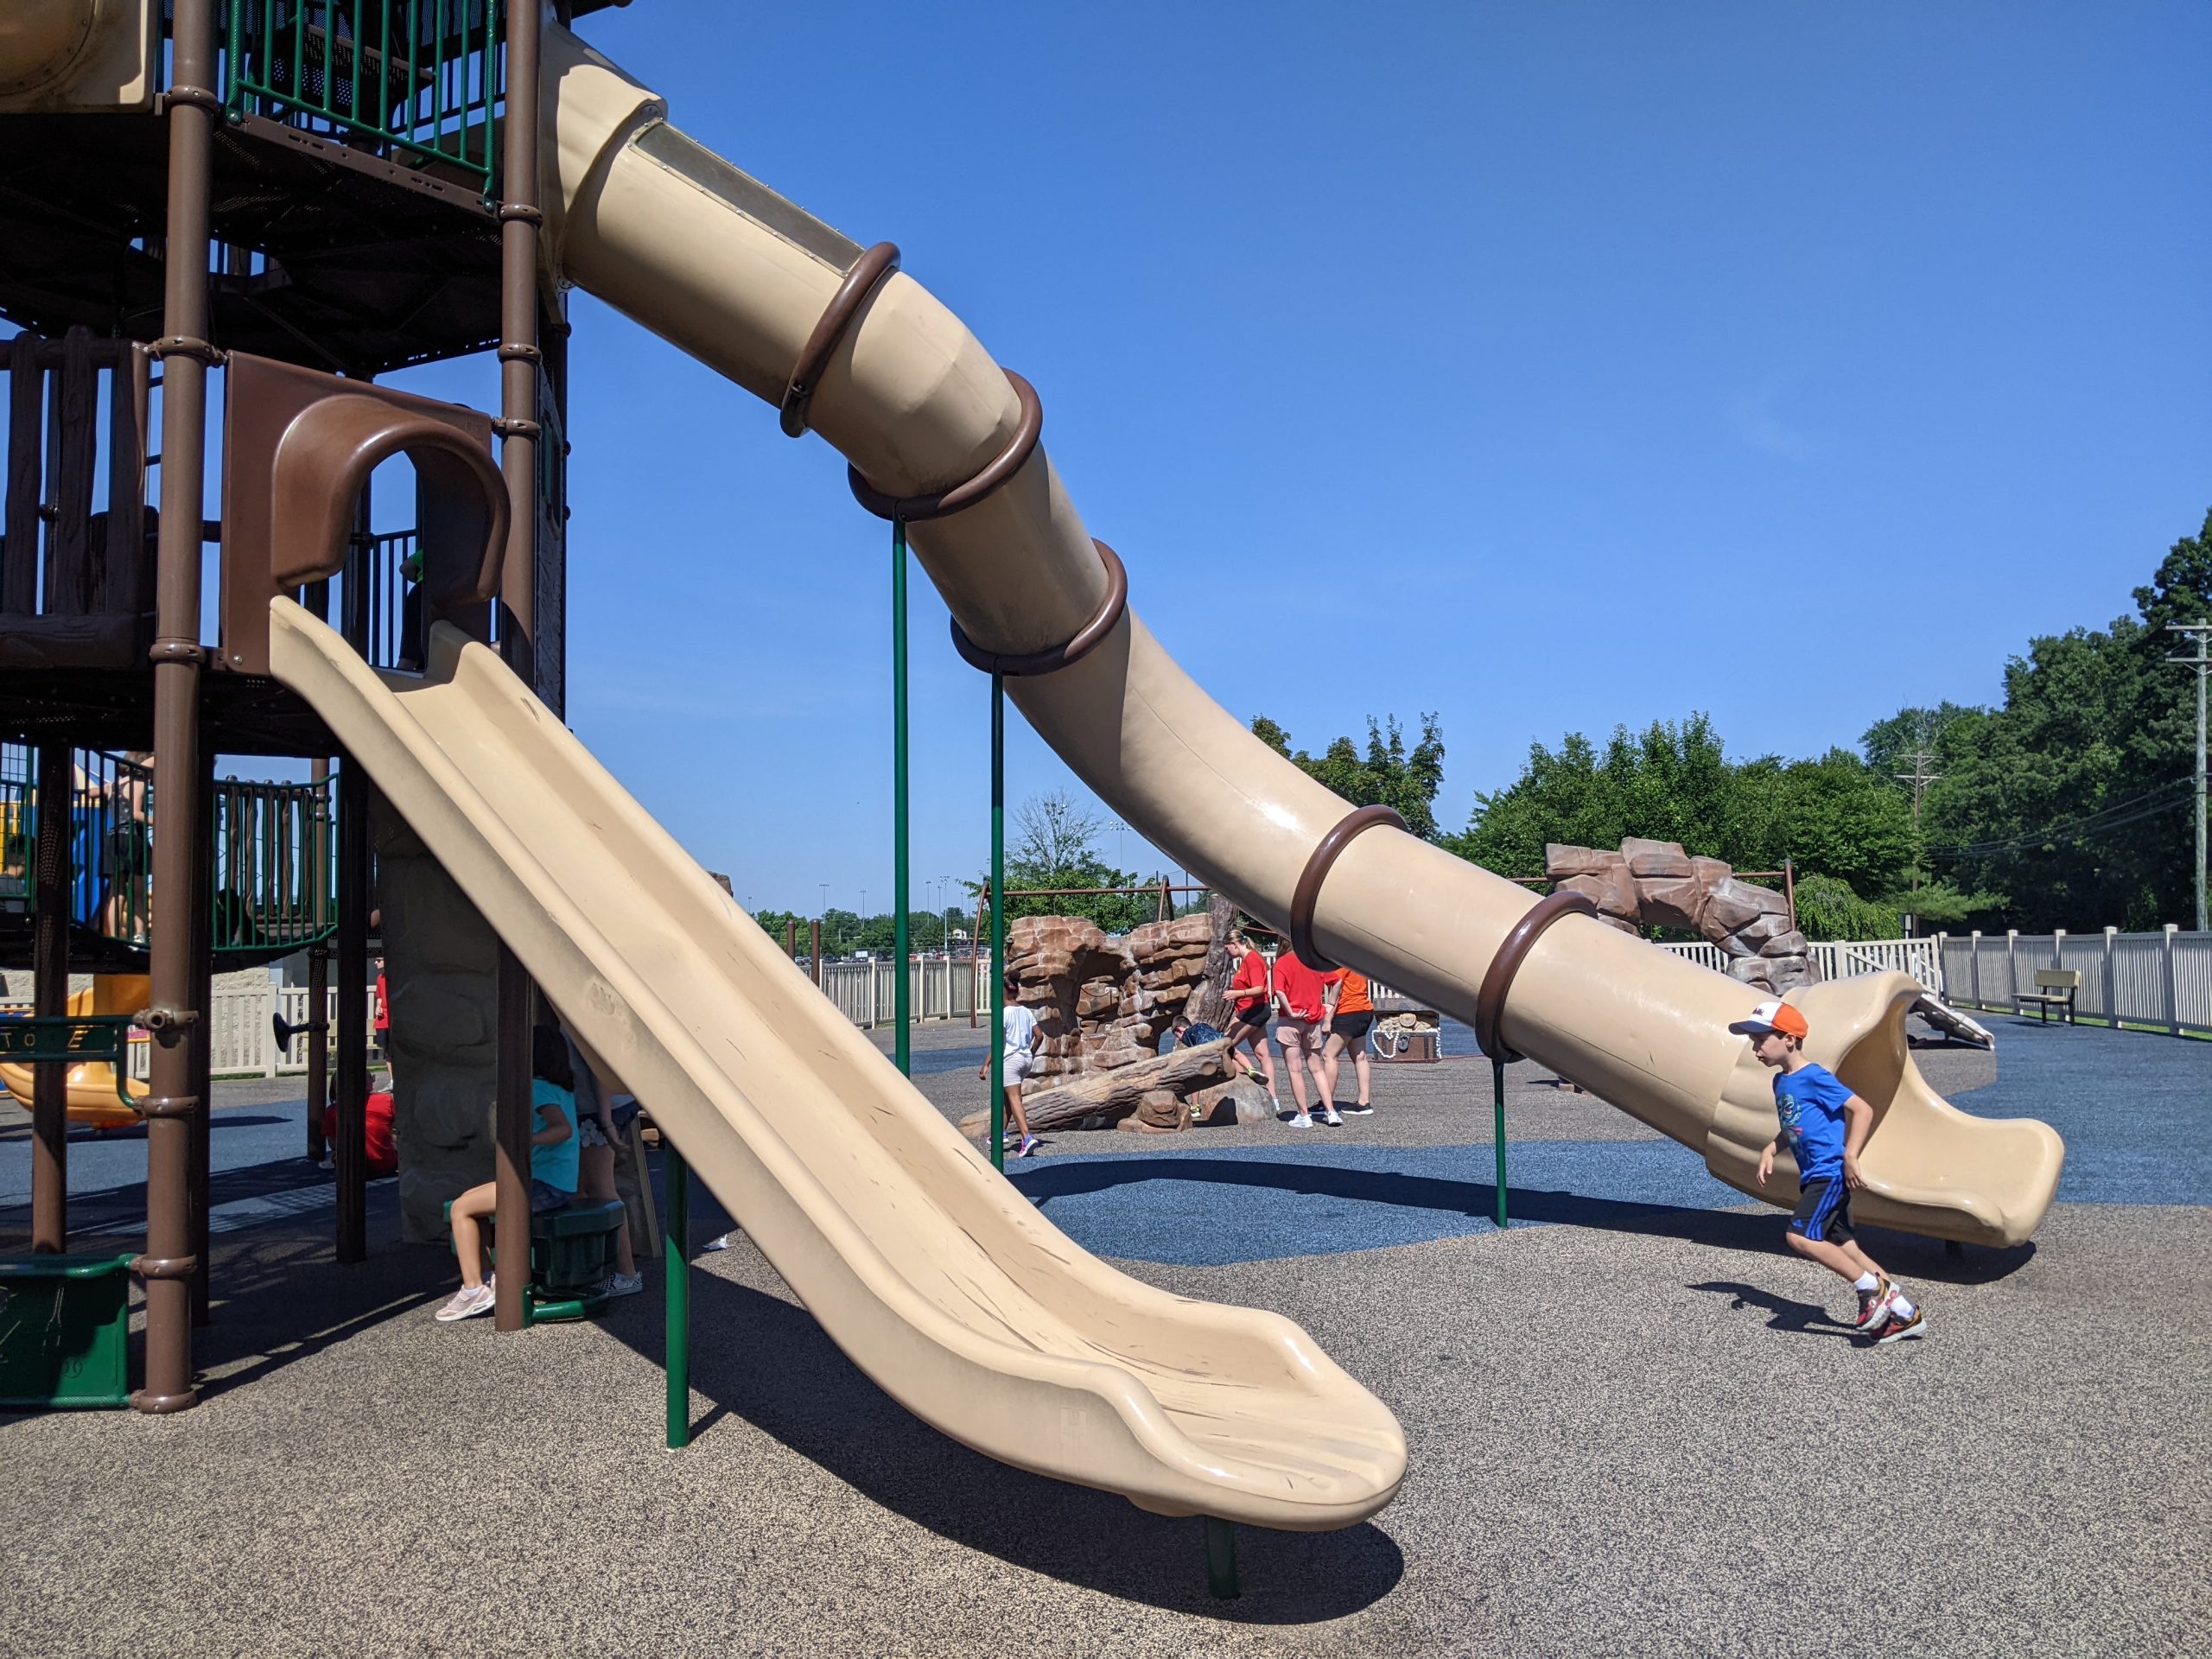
{"x": 1250, "y": 993}
{"x": 1302, "y": 1003}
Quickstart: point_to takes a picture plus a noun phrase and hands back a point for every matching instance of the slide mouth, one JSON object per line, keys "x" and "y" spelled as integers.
{"x": 1930, "y": 1168}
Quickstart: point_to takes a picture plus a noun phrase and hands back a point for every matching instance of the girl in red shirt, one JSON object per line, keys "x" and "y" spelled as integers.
{"x": 1250, "y": 994}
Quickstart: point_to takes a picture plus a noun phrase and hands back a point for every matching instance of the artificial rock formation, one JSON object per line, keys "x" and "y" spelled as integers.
{"x": 1102, "y": 1006}
{"x": 441, "y": 965}
{"x": 1656, "y": 884}
{"x": 1103, "y": 1003}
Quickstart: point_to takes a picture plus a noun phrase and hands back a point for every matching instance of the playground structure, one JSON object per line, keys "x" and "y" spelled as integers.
{"x": 442, "y": 682}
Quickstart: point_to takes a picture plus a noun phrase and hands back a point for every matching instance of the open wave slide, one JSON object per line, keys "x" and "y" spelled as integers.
{"x": 927, "y": 1268}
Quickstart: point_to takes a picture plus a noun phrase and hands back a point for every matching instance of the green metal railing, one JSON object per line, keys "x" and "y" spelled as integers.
{"x": 276, "y": 882}
{"x": 274, "y": 872}
{"x": 110, "y": 844}
{"x": 389, "y": 570}
{"x": 418, "y": 79}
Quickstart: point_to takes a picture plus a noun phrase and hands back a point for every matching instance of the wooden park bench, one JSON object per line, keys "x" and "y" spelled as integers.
{"x": 2055, "y": 989}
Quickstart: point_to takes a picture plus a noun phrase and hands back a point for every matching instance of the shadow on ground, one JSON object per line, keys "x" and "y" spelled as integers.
{"x": 759, "y": 1358}
{"x": 1733, "y": 1230}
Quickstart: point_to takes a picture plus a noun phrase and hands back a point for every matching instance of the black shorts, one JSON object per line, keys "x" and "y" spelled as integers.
{"x": 1823, "y": 1212}
{"x": 1354, "y": 1027}
{"x": 1249, "y": 1021}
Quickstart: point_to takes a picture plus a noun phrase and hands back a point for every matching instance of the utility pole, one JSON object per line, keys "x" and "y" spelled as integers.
{"x": 1919, "y": 777}
{"x": 2200, "y": 636}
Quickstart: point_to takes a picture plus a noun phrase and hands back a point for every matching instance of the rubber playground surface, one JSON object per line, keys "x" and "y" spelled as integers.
{"x": 1635, "y": 1424}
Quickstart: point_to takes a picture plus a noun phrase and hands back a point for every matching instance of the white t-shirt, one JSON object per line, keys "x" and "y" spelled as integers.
{"x": 1021, "y": 1030}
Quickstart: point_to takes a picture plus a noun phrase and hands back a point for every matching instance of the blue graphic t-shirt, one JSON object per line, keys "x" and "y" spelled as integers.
{"x": 1810, "y": 1102}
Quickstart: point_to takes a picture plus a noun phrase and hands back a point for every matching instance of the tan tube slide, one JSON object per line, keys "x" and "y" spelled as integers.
{"x": 735, "y": 274}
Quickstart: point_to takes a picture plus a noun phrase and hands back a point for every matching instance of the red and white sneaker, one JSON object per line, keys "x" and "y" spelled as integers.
{"x": 1897, "y": 1330}
{"x": 1874, "y": 1307}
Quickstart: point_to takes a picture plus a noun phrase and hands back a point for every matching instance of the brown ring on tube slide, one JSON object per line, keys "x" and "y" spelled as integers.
{"x": 1308, "y": 891}
{"x": 1086, "y": 639}
{"x": 1490, "y": 1000}
{"x": 997, "y": 472}
{"x": 871, "y": 267}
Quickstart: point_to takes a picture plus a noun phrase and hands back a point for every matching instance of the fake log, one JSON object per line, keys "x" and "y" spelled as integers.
{"x": 1111, "y": 1094}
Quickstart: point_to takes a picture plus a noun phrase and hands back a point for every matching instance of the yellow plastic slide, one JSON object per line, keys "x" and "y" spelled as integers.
{"x": 93, "y": 1098}
{"x": 926, "y": 1266}
{"x": 680, "y": 240}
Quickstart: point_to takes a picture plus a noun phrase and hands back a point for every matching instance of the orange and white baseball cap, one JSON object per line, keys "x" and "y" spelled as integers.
{"x": 1773, "y": 1016}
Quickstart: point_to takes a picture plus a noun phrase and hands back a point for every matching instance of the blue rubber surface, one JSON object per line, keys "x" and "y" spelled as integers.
{"x": 1207, "y": 1209}
{"x": 2134, "y": 1109}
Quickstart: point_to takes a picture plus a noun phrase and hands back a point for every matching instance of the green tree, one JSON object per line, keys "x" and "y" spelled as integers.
{"x": 2073, "y": 797}
{"x": 1675, "y": 782}
{"x": 1387, "y": 773}
{"x": 1055, "y": 846}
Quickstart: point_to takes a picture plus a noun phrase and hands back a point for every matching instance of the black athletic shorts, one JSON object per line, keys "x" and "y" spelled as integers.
{"x": 1251, "y": 1020}
{"x": 1823, "y": 1212}
{"x": 1354, "y": 1027}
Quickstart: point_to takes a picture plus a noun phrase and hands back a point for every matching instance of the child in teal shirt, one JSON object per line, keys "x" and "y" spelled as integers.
{"x": 552, "y": 1172}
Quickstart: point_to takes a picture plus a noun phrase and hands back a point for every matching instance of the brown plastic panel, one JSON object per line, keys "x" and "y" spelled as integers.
{"x": 871, "y": 267}
{"x": 1307, "y": 894}
{"x": 1086, "y": 639}
{"x": 997, "y": 472}
{"x": 1498, "y": 982}
{"x": 299, "y": 445}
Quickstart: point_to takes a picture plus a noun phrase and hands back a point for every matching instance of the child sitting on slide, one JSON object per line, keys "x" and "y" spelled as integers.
{"x": 552, "y": 1172}
{"x": 1814, "y": 1108}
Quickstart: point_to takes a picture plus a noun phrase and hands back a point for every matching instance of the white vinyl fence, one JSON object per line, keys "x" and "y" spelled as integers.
{"x": 1840, "y": 959}
{"x": 943, "y": 987}
{"x": 2163, "y": 980}
{"x": 246, "y": 1041}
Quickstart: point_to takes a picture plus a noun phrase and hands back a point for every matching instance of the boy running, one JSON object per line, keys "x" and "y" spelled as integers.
{"x": 1825, "y": 1127}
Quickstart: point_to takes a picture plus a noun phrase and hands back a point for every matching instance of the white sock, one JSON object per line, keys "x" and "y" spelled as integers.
{"x": 1900, "y": 1307}
{"x": 1865, "y": 1281}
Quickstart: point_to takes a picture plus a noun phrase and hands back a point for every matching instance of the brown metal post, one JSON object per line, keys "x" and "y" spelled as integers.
{"x": 50, "y": 989}
{"x": 318, "y": 1048}
{"x": 350, "y": 1155}
{"x": 519, "y": 358}
{"x": 167, "y": 1265}
{"x": 974, "y": 950}
{"x": 510, "y": 1148}
{"x": 519, "y": 219}
{"x": 318, "y": 853}
{"x": 814, "y": 949}
{"x": 200, "y": 1040}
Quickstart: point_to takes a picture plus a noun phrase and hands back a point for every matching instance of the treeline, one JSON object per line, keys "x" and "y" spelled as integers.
{"x": 2067, "y": 806}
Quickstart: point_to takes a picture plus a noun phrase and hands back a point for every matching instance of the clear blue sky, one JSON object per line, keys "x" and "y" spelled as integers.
{"x": 1547, "y": 367}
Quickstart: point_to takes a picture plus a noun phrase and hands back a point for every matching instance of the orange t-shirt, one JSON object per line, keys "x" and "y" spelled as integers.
{"x": 1351, "y": 993}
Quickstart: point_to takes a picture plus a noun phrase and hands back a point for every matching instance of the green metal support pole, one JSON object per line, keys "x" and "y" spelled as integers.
{"x": 998, "y": 922}
{"x": 1221, "y": 1560}
{"x": 676, "y": 1276}
{"x": 1498, "y": 1078}
{"x": 902, "y": 991}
